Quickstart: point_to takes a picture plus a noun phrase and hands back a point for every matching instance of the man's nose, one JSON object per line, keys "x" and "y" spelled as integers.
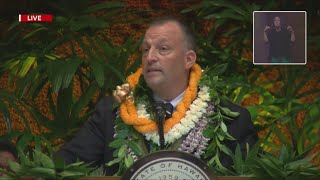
{"x": 151, "y": 55}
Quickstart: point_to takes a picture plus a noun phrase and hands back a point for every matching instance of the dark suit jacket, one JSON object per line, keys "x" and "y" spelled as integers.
{"x": 91, "y": 142}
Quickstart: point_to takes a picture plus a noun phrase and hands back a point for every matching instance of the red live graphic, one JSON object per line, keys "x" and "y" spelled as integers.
{"x": 35, "y": 18}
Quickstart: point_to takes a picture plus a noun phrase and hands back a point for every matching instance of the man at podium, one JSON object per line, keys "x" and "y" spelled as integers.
{"x": 167, "y": 104}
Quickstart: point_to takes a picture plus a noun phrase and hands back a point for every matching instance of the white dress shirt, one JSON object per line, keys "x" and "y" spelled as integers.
{"x": 174, "y": 102}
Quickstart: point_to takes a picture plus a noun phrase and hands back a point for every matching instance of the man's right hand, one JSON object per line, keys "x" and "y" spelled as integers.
{"x": 267, "y": 28}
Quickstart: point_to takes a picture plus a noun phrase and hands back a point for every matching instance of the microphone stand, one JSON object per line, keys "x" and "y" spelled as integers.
{"x": 160, "y": 118}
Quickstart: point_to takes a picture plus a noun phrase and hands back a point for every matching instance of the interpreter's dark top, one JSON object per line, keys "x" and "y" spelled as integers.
{"x": 279, "y": 43}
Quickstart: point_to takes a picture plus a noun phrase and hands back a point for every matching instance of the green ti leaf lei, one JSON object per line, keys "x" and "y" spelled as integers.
{"x": 130, "y": 145}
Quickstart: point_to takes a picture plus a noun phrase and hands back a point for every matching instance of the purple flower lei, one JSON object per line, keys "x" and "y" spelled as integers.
{"x": 195, "y": 143}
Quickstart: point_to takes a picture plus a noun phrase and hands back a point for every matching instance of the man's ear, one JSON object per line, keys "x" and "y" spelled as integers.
{"x": 191, "y": 57}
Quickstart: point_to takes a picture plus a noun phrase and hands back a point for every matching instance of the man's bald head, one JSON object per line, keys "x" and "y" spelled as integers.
{"x": 187, "y": 33}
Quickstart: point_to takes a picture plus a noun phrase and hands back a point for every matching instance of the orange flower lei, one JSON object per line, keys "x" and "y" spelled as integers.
{"x": 128, "y": 111}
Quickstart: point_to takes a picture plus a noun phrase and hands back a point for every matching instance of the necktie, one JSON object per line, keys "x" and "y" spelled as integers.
{"x": 168, "y": 110}
{"x": 163, "y": 112}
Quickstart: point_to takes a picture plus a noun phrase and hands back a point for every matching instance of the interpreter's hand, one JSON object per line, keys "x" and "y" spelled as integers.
{"x": 289, "y": 28}
{"x": 267, "y": 28}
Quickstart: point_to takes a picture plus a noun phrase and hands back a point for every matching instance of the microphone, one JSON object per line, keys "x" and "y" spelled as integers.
{"x": 160, "y": 118}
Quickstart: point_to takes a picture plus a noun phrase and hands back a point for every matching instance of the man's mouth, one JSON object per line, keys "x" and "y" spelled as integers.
{"x": 153, "y": 70}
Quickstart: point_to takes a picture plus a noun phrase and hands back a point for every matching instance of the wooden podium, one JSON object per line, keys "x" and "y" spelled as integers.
{"x": 174, "y": 163}
{"x": 118, "y": 178}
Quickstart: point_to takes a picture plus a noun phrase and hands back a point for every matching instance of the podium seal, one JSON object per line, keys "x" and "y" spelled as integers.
{"x": 165, "y": 165}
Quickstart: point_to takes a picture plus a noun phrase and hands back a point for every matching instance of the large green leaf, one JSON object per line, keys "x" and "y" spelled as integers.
{"x": 22, "y": 115}
{"x": 98, "y": 72}
{"x": 135, "y": 148}
{"x": 117, "y": 143}
{"x": 64, "y": 104}
{"x": 55, "y": 74}
{"x": 228, "y": 4}
{"x": 82, "y": 22}
{"x": 238, "y": 162}
{"x": 61, "y": 72}
{"x": 24, "y": 140}
{"x": 32, "y": 33}
{"x": 44, "y": 160}
{"x": 83, "y": 101}
{"x": 27, "y": 65}
{"x": 273, "y": 169}
{"x": 225, "y": 14}
{"x": 5, "y": 114}
{"x": 105, "y": 5}
{"x": 69, "y": 70}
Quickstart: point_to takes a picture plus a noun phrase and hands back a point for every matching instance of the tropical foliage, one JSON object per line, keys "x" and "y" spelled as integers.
{"x": 41, "y": 68}
{"x": 41, "y": 165}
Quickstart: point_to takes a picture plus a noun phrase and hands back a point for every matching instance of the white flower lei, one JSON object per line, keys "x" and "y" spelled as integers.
{"x": 195, "y": 112}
